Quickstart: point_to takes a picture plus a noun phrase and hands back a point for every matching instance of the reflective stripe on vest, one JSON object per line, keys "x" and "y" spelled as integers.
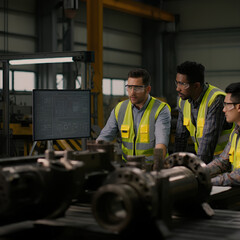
{"x": 196, "y": 134}
{"x": 234, "y": 152}
{"x": 144, "y": 142}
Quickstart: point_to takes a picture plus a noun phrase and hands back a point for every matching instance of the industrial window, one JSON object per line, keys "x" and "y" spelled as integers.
{"x": 24, "y": 81}
{"x": 115, "y": 87}
{"x": 78, "y": 82}
{"x": 19, "y": 80}
{"x": 60, "y": 82}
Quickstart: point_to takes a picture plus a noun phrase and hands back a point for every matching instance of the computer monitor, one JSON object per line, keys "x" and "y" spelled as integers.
{"x": 61, "y": 114}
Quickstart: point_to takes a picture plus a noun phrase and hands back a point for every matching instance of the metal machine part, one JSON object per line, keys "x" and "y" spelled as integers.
{"x": 197, "y": 166}
{"x": 98, "y": 162}
{"x": 139, "y": 161}
{"x": 131, "y": 197}
{"x": 41, "y": 189}
{"x": 136, "y": 161}
{"x": 127, "y": 197}
{"x": 99, "y": 156}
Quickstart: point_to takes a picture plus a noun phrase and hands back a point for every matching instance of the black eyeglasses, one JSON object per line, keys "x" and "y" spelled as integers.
{"x": 229, "y": 105}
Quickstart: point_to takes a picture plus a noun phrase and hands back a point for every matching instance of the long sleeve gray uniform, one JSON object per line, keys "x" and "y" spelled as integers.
{"x": 162, "y": 125}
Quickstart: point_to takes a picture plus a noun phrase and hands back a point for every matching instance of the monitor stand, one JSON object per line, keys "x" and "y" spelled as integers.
{"x": 49, "y": 146}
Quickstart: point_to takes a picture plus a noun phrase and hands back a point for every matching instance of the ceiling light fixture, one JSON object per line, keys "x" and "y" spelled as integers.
{"x": 41, "y": 60}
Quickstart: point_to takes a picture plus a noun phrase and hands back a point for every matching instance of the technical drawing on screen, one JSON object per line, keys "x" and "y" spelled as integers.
{"x": 61, "y": 114}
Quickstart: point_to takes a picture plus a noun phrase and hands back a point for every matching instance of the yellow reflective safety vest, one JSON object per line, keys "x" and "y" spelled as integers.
{"x": 234, "y": 153}
{"x": 197, "y": 132}
{"x": 143, "y": 142}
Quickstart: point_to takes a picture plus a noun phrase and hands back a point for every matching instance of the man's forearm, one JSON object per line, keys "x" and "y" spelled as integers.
{"x": 163, "y": 147}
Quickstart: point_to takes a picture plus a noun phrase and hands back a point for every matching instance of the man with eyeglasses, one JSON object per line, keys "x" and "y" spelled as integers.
{"x": 225, "y": 169}
{"x": 200, "y": 113}
{"x": 143, "y": 121}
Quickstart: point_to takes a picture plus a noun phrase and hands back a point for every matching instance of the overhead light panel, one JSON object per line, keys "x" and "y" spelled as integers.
{"x": 41, "y": 60}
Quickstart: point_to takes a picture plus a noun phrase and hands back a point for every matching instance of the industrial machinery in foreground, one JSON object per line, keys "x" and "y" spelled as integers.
{"x": 123, "y": 197}
{"x": 45, "y": 186}
{"x": 132, "y": 198}
{"x": 98, "y": 159}
{"x": 33, "y": 188}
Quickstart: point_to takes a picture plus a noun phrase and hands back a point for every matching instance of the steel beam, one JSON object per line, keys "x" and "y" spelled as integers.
{"x": 6, "y": 108}
{"x": 95, "y": 43}
{"x": 139, "y": 9}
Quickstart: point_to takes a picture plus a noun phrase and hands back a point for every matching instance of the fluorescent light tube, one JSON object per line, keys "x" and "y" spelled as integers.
{"x": 41, "y": 60}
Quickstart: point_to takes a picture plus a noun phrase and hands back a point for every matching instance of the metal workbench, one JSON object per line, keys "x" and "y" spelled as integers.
{"x": 78, "y": 223}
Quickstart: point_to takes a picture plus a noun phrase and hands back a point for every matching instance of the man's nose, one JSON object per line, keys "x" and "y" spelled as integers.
{"x": 178, "y": 88}
{"x": 131, "y": 90}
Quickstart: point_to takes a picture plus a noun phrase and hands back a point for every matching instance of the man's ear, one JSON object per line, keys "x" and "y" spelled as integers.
{"x": 238, "y": 107}
{"x": 149, "y": 89}
{"x": 197, "y": 84}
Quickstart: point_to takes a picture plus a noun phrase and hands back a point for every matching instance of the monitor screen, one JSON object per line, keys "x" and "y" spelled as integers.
{"x": 61, "y": 114}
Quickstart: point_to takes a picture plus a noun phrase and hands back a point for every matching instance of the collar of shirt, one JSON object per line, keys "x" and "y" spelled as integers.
{"x": 199, "y": 100}
{"x": 144, "y": 106}
{"x": 237, "y": 129}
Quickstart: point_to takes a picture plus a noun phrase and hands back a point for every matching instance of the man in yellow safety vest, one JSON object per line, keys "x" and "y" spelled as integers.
{"x": 200, "y": 113}
{"x": 143, "y": 121}
{"x": 225, "y": 169}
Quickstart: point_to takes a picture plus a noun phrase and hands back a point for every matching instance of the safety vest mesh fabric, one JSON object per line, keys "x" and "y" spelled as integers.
{"x": 234, "y": 152}
{"x": 144, "y": 142}
{"x": 196, "y": 133}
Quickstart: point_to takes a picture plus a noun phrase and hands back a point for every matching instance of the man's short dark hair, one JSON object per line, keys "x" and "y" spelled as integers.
{"x": 234, "y": 89}
{"x": 193, "y": 70}
{"x": 139, "y": 72}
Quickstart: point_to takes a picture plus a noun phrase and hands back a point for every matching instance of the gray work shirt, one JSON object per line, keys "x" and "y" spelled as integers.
{"x": 215, "y": 122}
{"x": 162, "y": 125}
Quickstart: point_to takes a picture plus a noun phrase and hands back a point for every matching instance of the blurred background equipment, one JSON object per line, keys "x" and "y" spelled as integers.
{"x": 7, "y": 60}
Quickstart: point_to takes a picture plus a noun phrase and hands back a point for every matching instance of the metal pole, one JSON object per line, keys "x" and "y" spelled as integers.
{"x": 83, "y": 76}
{"x": 84, "y": 87}
{"x": 6, "y": 108}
